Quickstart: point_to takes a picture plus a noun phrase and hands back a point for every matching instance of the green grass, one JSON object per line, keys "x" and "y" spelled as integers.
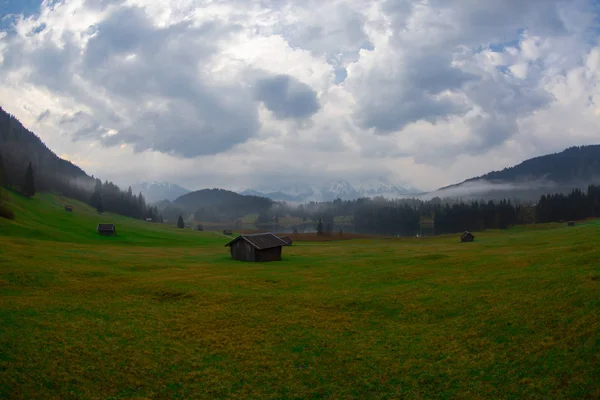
{"x": 157, "y": 312}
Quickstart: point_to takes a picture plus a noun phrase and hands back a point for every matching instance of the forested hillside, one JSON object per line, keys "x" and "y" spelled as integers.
{"x": 20, "y": 148}
{"x": 575, "y": 165}
{"x": 220, "y": 204}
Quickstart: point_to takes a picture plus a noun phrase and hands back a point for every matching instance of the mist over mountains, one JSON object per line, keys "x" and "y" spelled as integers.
{"x": 155, "y": 192}
{"x": 335, "y": 189}
{"x": 576, "y": 167}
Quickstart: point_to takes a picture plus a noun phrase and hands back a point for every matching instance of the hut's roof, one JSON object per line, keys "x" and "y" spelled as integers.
{"x": 106, "y": 227}
{"x": 286, "y": 239}
{"x": 260, "y": 241}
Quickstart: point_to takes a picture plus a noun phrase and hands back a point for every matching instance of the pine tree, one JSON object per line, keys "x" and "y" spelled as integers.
{"x": 180, "y": 223}
{"x": 29, "y": 185}
{"x": 1, "y": 171}
{"x": 320, "y": 227}
{"x": 100, "y": 206}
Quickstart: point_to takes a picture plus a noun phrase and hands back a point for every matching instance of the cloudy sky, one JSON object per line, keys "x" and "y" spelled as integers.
{"x": 255, "y": 93}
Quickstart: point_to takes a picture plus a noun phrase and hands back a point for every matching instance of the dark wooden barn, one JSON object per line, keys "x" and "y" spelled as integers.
{"x": 467, "y": 237}
{"x": 107, "y": 229}
{"x": 257, "y": 247}
{"x": 287, "y": 239}
{"x": 69, "y": 208}
{"x": 227, "y": 232}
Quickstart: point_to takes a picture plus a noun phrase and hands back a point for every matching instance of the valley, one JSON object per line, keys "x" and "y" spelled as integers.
{"x": 161, "y": 312}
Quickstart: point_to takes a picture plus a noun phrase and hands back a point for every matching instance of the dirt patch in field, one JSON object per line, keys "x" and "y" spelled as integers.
{"x": 170, "y": 296}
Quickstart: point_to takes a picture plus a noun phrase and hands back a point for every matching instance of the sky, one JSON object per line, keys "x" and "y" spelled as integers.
{"x": 265, "y": 93}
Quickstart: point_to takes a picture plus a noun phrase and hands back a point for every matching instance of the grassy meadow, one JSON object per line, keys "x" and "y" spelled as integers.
{"x": 158, "y": 312}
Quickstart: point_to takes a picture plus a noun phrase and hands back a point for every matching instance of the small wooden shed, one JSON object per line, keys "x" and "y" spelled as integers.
{"x": 69, "y": 208}
{"x": 467, "y": 237}
{"x": 107, "y": 229}
{"x": 257, "y": 247}
{"x": 571, "y": 223}
{"x": 227, "y": 232}
{"x": 287, "y": 239}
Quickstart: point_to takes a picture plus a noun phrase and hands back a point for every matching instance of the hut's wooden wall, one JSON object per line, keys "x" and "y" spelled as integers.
{"x": 243, "y": 251}
{"x": 272, "y": 254}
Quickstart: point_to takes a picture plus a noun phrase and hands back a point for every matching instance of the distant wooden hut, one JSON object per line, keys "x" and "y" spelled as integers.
{"x": 227, "y": 232}
{"x": 69, "y": 208}
{"x": 571, "y": 223}
{"x": 467, "y": 237}
{"x": 287, "y": 239}
{"x": 258, "y": 247}
{"x": 107, "y": 229}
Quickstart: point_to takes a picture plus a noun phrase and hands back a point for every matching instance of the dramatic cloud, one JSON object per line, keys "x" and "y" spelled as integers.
{"x": 286, "y": 97}
{"x": 240, "y": 93}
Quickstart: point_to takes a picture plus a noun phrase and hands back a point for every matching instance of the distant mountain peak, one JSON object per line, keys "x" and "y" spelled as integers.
{"x": 331, "y": 190}
{"x": 155, "y": 191}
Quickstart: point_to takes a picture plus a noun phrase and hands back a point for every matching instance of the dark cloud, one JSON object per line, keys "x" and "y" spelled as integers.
{"x": 409, "y": 96}
{"x": 287, "y": 97}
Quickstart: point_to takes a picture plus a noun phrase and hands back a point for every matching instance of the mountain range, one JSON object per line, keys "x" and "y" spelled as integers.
{"x": 334, "y": 189}
{"x": 156, "y": 192}
{"x": 575, "y": 167}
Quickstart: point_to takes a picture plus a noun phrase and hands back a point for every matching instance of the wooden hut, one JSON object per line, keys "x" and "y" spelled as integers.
{"x": 227, "y": 232}
{"x": 287, "y": 239}
{"x": 107, "y": 229}
{"x": 467, "y": 237}
{"x": 69, "y": 208}
{"x": 257, "y": 247}
{"x": 571, "y": 223}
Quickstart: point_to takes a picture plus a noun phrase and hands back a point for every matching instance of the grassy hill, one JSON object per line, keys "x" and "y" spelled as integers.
{"x": 43, "y": 218}
{"x": 157, "y": 312}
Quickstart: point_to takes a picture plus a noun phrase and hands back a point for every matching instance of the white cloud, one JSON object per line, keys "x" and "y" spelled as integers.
{"x": 240, "y": 93}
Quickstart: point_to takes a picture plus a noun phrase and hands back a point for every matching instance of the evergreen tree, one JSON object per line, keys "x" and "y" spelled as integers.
{"x": 320, "y": 227}
{"x": 180, "y": 223}
{"x": 100, "y": 206}
{"x": 29, "y": 185}
{"x": 2, "y": 181}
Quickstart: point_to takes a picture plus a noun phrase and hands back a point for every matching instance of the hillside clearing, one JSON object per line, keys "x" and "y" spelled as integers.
{"x": 160, "y": 312}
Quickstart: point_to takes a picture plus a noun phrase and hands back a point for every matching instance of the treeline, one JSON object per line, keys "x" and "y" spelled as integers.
{"x": 108, "y": 197}
{"x": 407, "y": 217}
{"x": 407, "y": 220}
{"x": 28, "y": 166}
{"x": 576, "y": 205}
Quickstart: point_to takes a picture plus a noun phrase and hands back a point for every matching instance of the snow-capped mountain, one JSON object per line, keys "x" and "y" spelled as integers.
{"x": 380, "y": 187}
{"x": 329, "y": 191}
{"x": 156, "y": 191}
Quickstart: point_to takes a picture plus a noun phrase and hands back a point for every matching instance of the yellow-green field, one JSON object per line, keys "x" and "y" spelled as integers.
{"x": 157, "y": 312}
